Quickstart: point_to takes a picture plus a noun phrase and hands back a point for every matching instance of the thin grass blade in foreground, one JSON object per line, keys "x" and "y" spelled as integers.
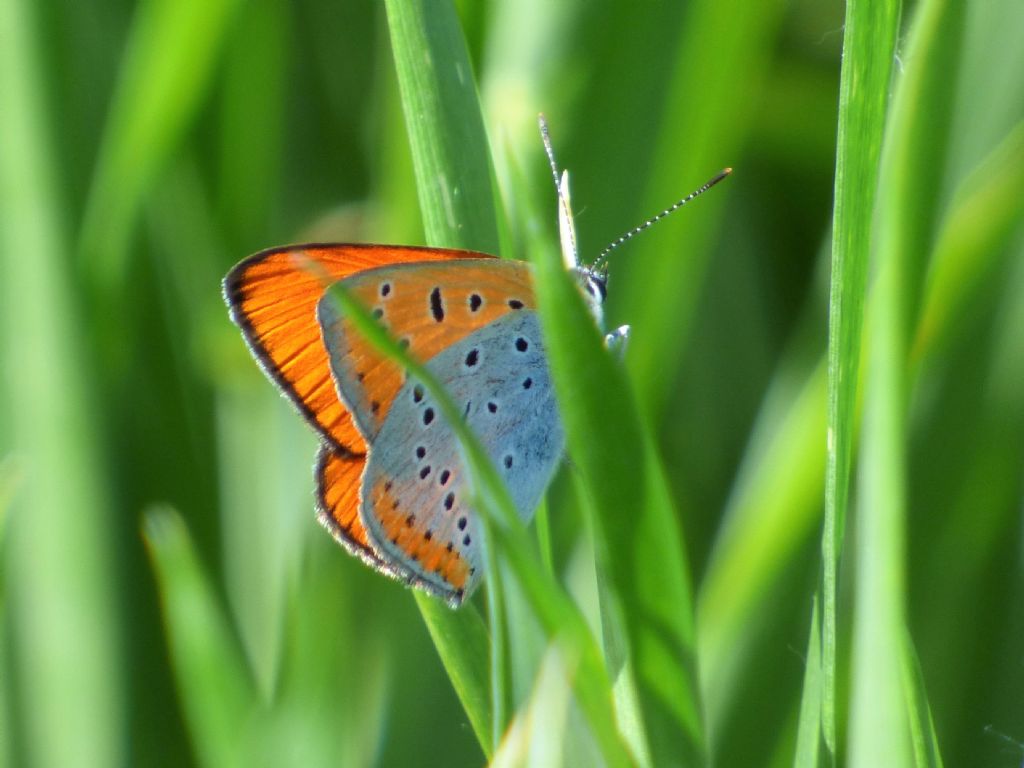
{"x": 167, "y": 66}
{"x": 639, "y": 540}
{"x": 62, "y": 624}
{"x": 808, "y": 736}
{"x": 889, "y": 720}
{"x": 454, "y": 179}
{"x": 218, "y": 695}
{"x": 453, "y": 175}
{"x": 511, "y": 547}
{"x": 869, "y": 43}
{"x": 986, "y": 210}
{"x": 705, "y": 121}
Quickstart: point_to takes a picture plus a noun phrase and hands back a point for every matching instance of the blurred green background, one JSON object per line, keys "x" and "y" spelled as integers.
{"x": 147, "y": 147}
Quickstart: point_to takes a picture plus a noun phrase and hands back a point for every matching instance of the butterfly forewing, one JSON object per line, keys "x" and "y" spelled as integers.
{"x": 427, "y": 307}
{"x": 273, "y": 297}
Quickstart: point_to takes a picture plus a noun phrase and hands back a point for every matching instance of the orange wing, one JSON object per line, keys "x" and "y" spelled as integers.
{"x": 338, "y": 477}
{"x": 273, "y": 296}
{"x": 338, "y": 481}
{"x": 428, "y": 306}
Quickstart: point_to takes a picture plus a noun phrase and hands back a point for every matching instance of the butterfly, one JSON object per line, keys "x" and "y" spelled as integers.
{"x": 391, "y": 485}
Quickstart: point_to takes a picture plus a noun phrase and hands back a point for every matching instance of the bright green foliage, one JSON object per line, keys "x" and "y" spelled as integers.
{"x": 788, "y": 532}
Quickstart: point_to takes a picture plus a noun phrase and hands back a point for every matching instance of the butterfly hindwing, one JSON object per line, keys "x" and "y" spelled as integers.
{"x": 338, "y": 477}
{"x": 416, "y": 504}
{"x": 273, "y": 297}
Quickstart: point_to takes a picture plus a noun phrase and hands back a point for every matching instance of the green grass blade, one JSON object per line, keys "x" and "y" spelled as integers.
{"x": 61, "y": 584}
{"x": 217, "y": 693}
{"x": 881, "y": 723}
{"x": 775, "y": 503}
{"x": 986, "y": 211}
{"x": 869, "y": 46}
{"x": 167, "y": 67}
{"x": 537, "y": 737}
{"x": 922, "y": 727}
{"x": 462, "y": 642}
{"x": 506, "y": 542}
{"x": 453, "y": 175}
{"x": 705, "y": 120}
{"x": 808, "y": 735}
{"x": 446, "y": 130}
{"x": 640, "y": 543}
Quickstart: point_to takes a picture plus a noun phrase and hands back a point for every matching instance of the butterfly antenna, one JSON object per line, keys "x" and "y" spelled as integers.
{"x": 603, "y": 256}
{"x": 546, "y": 138}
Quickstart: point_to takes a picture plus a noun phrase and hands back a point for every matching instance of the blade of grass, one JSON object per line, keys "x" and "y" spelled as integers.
{"x": 537, "y": 735}
{"x": 642, "y": 550}
{"x": 462, "y": 643}
{"x": 216, "y": 691}
{"x": 882, "y": 725}
{"x": 453, "y": 178}
{"x": 705, "y": 122}
{"x": 61, "y": 583}
{"x": 986, "y": 211}
{"x": 505, "y": 538}
{"x": 808, "y": 736}
{"x": 774, "y": 505}
{"x": 446, "y": 130}
{"x": 922, "y": 728}
{"x": 869, "y": 45}
{"x": 167, "y": 67}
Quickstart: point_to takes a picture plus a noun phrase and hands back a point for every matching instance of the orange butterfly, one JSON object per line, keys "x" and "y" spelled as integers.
{"x": 390, "y": 484}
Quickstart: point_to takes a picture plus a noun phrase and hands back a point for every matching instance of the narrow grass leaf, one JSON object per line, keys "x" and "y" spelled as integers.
{"x": 505, "y": 539}
{"x": 776, "y": 501}
{"x": 167, "y": 67}
{"x": 218, "y": 696}
{"x": 922, "y": 727}
{"x": 640, "y": 542}
{"x": 986, "y": 211}
{"x": 537, "y": 735}
{"x": 882, "y": 725}
{"x": 453, "y": 179}
{"x": 446, "y": 131}
{"x": 706, "y": 117}
{"x": 808, "y": 735}
{"x": 869, "y": 46}
{"x": 61, "y": 589}
{"x": 462, "y": 642}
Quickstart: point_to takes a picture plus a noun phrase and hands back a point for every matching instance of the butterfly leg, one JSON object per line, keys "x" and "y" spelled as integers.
{"x": 617, "y": 339}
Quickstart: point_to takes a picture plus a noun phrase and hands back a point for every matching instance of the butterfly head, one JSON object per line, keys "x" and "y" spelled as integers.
{"x": 594, "y": 287}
